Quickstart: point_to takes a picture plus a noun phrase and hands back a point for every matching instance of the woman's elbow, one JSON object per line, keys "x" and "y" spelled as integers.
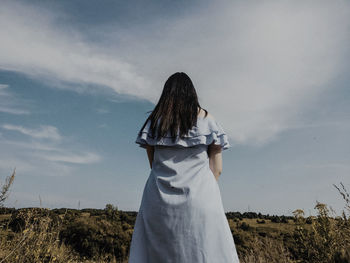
{"x": 217, "y": 173}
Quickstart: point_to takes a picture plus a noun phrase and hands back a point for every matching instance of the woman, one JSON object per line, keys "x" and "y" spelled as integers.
{"x": 181, "y": 217}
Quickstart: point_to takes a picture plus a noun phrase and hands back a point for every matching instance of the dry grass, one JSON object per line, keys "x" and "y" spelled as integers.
{"x": 267, "y": 250}
{"x": 34, "y": 237}
{"x": 329, "y": 239}
{"x": 37, "y": 241}
{"x": 324, "y": 239}
{"x": 6, "y": 187}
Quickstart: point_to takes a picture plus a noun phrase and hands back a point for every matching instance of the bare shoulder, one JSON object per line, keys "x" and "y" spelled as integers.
{"x": 210, "y": 115}
{"x": 202, "y": 114}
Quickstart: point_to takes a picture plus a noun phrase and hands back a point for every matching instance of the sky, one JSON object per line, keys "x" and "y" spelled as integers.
{"x": 78, "y": 78}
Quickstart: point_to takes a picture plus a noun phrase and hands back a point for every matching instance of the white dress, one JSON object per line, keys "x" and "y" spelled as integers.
{"x": 181, "y": 218}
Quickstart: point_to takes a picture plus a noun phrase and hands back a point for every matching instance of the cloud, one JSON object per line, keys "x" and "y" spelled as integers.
{"x": 102, "y": 111}
{"x": 9, "y": 103}
{"x": 82, "y": 158}
{"x": 53, "y": 156}
{"x": 28, "y": 164}
{"x": 103, "y": 126}
{"x": 13, "y": 111}
{"x": 257, "y": 66}
{"x": 38, "y": 47}
{"x": 37, "y": 145}
{"x": 43, "y": 132}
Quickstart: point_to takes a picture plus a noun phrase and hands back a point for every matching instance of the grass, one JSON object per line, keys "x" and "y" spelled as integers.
{"x": 91, "y": 235}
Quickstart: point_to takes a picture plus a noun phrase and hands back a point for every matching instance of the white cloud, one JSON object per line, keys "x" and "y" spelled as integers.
{"x": 82, "y": 158}
{"x": 38, "y": 47}
{"x": 7, "y": 164}
{"x": 9, "y": 103}
{"x": 13, "y": 111}
{"x": 102, "y": 110}
{"x": 26, "y": 163}
{"x": 36, "y": 145}
{"x": 257, "y": 66}
{"x": 43, "y": 132}
{"x": 53, "y": 156}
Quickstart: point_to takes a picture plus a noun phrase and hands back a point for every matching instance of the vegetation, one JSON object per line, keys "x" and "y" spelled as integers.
{"x": 104, "y": 235}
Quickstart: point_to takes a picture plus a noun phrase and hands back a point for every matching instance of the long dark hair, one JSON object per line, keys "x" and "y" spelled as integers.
{"x": 177, "y": 108}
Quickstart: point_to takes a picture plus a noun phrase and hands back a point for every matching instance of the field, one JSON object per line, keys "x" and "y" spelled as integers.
{"x": 104, "y": 235}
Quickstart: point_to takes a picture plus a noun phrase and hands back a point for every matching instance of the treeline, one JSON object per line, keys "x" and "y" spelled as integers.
{"x": 109, "y": 208}
{"x": 251, "y": 215}
{"x": 89, "y": 232}
{"x": 104, "y": 235}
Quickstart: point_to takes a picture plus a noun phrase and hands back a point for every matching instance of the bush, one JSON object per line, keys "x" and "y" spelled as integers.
{"x": 244, "y": 226}
{"x": 329, "y": 238}
{"x": 260, "y": 221}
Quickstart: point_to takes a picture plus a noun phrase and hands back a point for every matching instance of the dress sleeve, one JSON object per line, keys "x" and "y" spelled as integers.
{"x": 143, "y": 137}
{"x": 217, "y": 134}
{"x": 206, "y": 132}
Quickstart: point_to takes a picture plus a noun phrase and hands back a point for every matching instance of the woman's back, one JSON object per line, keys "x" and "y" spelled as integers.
{"x": 181, "y": 217}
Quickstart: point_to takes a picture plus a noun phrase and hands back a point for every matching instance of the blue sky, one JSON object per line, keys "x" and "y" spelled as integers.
{"x": 78, "y": 77}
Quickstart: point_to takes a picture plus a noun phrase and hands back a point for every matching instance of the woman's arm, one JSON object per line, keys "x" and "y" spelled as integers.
{"x": 150, "y": 152}
{"x": 215, "y": 159}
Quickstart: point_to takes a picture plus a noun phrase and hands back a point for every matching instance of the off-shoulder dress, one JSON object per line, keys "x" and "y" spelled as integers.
{"x": 181, "y": 218}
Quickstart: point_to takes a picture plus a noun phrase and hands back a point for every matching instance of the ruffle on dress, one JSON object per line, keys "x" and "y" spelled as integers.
{"x": 205, "y": 132}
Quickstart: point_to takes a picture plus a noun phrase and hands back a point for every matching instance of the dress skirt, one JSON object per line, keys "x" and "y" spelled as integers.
{"x": 181, "y": 218}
